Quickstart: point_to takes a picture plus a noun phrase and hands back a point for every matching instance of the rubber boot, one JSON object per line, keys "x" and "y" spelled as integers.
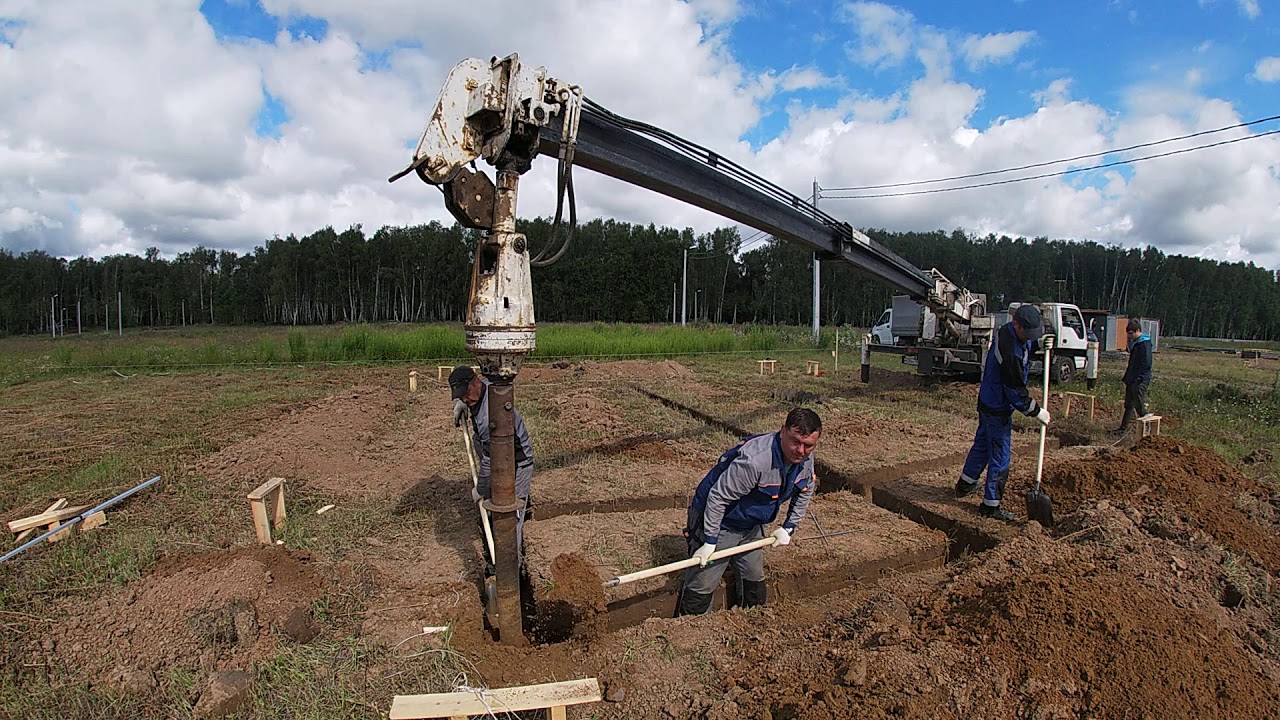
{"x": 693, "y": 603}
{"x": 964, "y": 488}
{"x": 754, "y": 593}
{"x": 995, "y": 512}
{"x": 1001, "y": 479}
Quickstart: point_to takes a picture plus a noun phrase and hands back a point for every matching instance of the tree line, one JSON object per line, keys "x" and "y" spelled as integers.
{"x": 614, "y": 272}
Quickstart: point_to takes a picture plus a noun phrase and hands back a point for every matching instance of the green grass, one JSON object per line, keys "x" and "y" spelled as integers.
{"x": 30, "y": 358}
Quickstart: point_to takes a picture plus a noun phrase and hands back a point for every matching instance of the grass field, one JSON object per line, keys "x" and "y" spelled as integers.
{"x": 203, "y": 348}
{"x": 90, "y": 417}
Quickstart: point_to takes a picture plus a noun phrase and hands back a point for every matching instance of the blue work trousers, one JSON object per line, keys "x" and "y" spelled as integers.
{"x": 991, "y": 450}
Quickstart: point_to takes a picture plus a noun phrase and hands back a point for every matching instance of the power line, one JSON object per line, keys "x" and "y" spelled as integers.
{"x": 1053, "y": 162}
{"x": 758, "y": 237}
{"x": 1053, "y": 174}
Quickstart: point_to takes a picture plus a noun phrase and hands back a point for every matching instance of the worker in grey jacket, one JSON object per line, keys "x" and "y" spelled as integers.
{"x": 471, "y": 392}
{"x": 743, "y": 493}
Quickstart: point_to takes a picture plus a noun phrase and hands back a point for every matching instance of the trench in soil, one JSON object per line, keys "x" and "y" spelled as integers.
{"x": 962, "y": 539}
{"x": 879, "y": 485}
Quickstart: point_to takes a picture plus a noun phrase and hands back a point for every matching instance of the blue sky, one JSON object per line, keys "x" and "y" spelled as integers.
{"x": 1103, "y": 47}
{"x": 225, "y": 122}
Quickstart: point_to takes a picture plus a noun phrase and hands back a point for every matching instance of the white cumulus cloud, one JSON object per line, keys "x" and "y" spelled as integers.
{"x": 1268, "y": 69}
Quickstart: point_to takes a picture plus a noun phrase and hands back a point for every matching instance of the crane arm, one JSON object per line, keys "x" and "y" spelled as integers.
{"x": 632, "y": 152}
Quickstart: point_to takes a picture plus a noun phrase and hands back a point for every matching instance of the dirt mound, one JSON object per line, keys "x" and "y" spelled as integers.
{"x": 1114, "y": 642}
{"x": 593, "y": 415}
{"x": 331, "y": 446}
{"x": 1036, "y": 628}
{"x": 1194, "y": 481}
{"x": 635, "y": 369}
{"x": 574, "y": 603}
{"x": 223, "y": 609}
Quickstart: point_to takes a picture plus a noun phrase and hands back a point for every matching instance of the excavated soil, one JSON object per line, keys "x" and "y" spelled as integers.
{"x": 572, "y": 603}
{"x": 1036, "y": 628}
{"x": 1193, "y": 484}
{"x": 226, "y": 609}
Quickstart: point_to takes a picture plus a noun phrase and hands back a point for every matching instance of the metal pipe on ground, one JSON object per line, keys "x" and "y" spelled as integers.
{"x": 79, "y": 518}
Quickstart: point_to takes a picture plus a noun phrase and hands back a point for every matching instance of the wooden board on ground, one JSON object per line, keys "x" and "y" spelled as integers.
{"x": 95, "y": 520}
{"x": 492, "y": 701}
{"x": 46, "y": 518}
{"x": 22, "y": 536}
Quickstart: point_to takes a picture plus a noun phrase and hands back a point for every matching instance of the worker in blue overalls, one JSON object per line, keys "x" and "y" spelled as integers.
{"x": 1003, "y": 390}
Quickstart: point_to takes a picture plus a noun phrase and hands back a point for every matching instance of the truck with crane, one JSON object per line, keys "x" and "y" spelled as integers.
{"x": 906, "y": 328}
{"x": 507, "y": 113}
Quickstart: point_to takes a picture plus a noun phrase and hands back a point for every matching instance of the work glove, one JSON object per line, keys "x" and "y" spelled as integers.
{"x": 782, "y": 537}
{"x": 1043, "y": 416}
{"x": 475, "y": 495}
{"x": 459, "y": 408}
{"x": 703, "y": 554}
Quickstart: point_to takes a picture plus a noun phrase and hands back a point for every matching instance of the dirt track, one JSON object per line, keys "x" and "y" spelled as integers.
{"x": 1153, "y": 597}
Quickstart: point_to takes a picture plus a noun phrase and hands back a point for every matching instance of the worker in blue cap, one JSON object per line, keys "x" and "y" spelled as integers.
{"x": 1003, "y": 390}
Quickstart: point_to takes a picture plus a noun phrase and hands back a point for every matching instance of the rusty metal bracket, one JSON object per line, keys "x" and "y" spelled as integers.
{"x": 469, "y": 196}
{"x": 493, "y": 507}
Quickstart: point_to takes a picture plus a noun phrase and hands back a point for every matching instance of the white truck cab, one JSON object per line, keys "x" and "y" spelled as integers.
{"x": 1066, "y": 323}
{"x": 882, "y": 331}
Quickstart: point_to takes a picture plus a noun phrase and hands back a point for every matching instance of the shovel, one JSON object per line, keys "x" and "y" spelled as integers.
{"x": 484, "y": 514}
{"x": 1039, "y": 504}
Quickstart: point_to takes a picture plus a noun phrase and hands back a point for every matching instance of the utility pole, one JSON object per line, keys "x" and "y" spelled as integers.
{"x": 684, "y": 290}
{"x": 53, "y": 318}
{"x": 817, "y": 275}
{"x": 119, "y": 313}
{"x": 674, "y": 287}
{"x": 79, "y": 328}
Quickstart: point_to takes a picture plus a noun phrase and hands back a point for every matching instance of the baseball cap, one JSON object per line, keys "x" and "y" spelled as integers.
{"x": 1028, "y": 316}
{"x": 459, "y": 378}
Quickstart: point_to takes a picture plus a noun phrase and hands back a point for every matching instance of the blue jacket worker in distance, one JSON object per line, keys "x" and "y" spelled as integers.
{"x": 1003, "y": 390}
{"x": 1137, "y": 376}
{"x": 743, "y": 493}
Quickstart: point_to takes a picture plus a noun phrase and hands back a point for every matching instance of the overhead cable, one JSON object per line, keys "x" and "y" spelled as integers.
{"x": 1050, "y": 175}
{"x": 1053, "y": 162}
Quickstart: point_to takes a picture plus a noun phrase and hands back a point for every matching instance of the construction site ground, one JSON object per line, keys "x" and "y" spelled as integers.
{"x": 1153, "y": 597}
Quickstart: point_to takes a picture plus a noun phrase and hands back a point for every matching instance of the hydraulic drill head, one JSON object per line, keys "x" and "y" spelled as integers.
{"x": 500, "y": 321}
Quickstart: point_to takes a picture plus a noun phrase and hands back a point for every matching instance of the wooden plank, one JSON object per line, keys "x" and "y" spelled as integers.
{"x": 45, "y": 518}
{"x": 261, "y": 525}
{"x": 558, "y": 713}
{"x": 498, "y": 700}
{"x": 22, "y": 536}
{"x": 266, "y": 487}
{"x": 278, "y": 513}
{"x": 95, "y": 520}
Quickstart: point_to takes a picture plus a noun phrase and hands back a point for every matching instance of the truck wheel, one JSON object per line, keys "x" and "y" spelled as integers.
{"x": 1064, "y": 368}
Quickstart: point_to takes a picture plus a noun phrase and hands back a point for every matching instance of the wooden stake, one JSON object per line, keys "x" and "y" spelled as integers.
{"x": 270, "y": 491}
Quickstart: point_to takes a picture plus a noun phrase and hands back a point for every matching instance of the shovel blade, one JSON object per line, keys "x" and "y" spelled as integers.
{"x": 1040, "y": 508}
